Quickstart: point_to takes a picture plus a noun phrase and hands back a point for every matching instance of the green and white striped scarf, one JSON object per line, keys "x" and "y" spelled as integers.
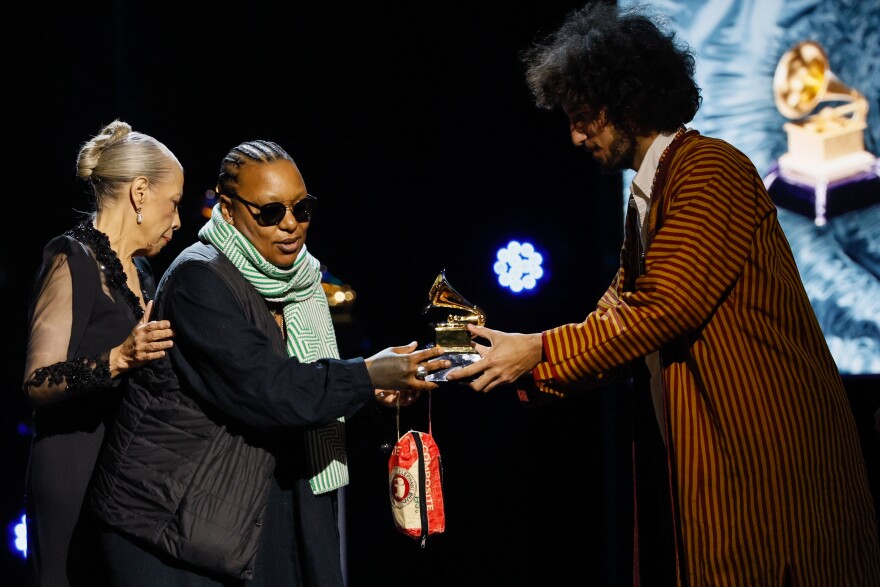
{"x": 310, "y": 334}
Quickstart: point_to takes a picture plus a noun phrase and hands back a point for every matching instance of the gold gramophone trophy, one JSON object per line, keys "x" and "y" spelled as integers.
{"x": 826, "y": 145}
{"x": 453, "y": 334}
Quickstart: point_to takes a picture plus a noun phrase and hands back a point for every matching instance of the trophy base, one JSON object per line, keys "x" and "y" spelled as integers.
{"x": 459, "y": 360}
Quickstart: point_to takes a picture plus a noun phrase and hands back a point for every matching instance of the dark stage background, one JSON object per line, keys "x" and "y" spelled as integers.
{"x": 412, "y": 124}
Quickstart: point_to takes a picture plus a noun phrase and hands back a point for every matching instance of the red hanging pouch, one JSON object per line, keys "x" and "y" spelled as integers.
{"x": 415, "y": 476}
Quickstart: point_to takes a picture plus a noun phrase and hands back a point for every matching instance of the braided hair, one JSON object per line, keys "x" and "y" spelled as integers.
{"x": 258, "y": 151}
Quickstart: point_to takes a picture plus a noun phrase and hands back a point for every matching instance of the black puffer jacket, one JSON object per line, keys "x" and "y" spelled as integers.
{"x": 188, "y": 465}
{"x": 164, "y": 474}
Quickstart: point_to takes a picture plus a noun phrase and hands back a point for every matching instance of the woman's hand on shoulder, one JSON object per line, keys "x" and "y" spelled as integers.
{"x": 147, "y": 342}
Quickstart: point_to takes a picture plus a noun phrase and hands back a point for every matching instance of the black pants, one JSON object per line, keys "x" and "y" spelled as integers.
{"x": 284, "y": 557}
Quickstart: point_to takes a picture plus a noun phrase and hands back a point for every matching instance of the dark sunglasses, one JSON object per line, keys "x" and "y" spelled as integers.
{"x": 273, "y": 213}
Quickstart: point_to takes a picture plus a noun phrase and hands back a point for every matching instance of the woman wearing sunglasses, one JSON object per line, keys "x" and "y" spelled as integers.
{"x": 89, "y": 327}
{"x": 226, "y": 458}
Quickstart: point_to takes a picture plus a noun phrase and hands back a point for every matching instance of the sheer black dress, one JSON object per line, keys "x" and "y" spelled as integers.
{"x": 81, "y": 308}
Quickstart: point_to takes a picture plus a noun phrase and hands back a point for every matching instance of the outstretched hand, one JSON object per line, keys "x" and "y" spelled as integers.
{"x": 147, "y": 342}
{"x": 507, "y": 357}
{"x": 398, "y": 369}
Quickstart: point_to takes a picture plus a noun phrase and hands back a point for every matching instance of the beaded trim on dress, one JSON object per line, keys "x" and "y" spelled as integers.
{"x": 93, "y": 372}
{"x": 96, "y": 240}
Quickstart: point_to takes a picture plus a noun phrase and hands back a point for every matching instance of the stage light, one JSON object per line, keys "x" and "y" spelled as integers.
{"x": 518, "y": 266}
{"x": 18, "y": 537}
{"x": 208, "y": 203}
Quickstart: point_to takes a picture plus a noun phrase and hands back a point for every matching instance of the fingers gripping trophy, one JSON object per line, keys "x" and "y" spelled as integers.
{"x": 452, "y": 334}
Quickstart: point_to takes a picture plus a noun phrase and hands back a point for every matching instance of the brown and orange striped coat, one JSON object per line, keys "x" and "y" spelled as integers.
{"x": 767, "y": 475}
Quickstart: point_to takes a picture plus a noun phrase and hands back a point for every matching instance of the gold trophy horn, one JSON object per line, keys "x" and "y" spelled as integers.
{"x": 828, "y": 144}
{"x": 453, "y": 334}
{"x": 443, "y": 295}
{"x": 803, "y": 79}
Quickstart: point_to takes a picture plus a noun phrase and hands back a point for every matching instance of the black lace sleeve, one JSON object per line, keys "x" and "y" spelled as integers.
{"x": 77, "y": 374}
{"x": 53, "y": 370}
{"x": 81, "y": 309}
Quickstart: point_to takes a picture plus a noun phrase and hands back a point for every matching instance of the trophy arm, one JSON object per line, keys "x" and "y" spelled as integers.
{"x": 476, "y": 317}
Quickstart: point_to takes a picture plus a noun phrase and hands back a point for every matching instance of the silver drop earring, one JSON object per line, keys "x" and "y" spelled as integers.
{"x": 140, "y": 218}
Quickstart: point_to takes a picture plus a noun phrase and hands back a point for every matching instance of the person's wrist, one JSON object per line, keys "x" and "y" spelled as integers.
{"x": 117, "y": 362}
{"x": 538, "y": 345}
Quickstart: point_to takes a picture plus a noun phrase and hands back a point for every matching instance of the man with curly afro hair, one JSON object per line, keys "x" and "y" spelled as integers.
{"x": 748, "y": 469}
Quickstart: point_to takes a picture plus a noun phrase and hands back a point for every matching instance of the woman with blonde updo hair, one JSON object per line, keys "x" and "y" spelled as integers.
{"x": 89, "y": 325}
